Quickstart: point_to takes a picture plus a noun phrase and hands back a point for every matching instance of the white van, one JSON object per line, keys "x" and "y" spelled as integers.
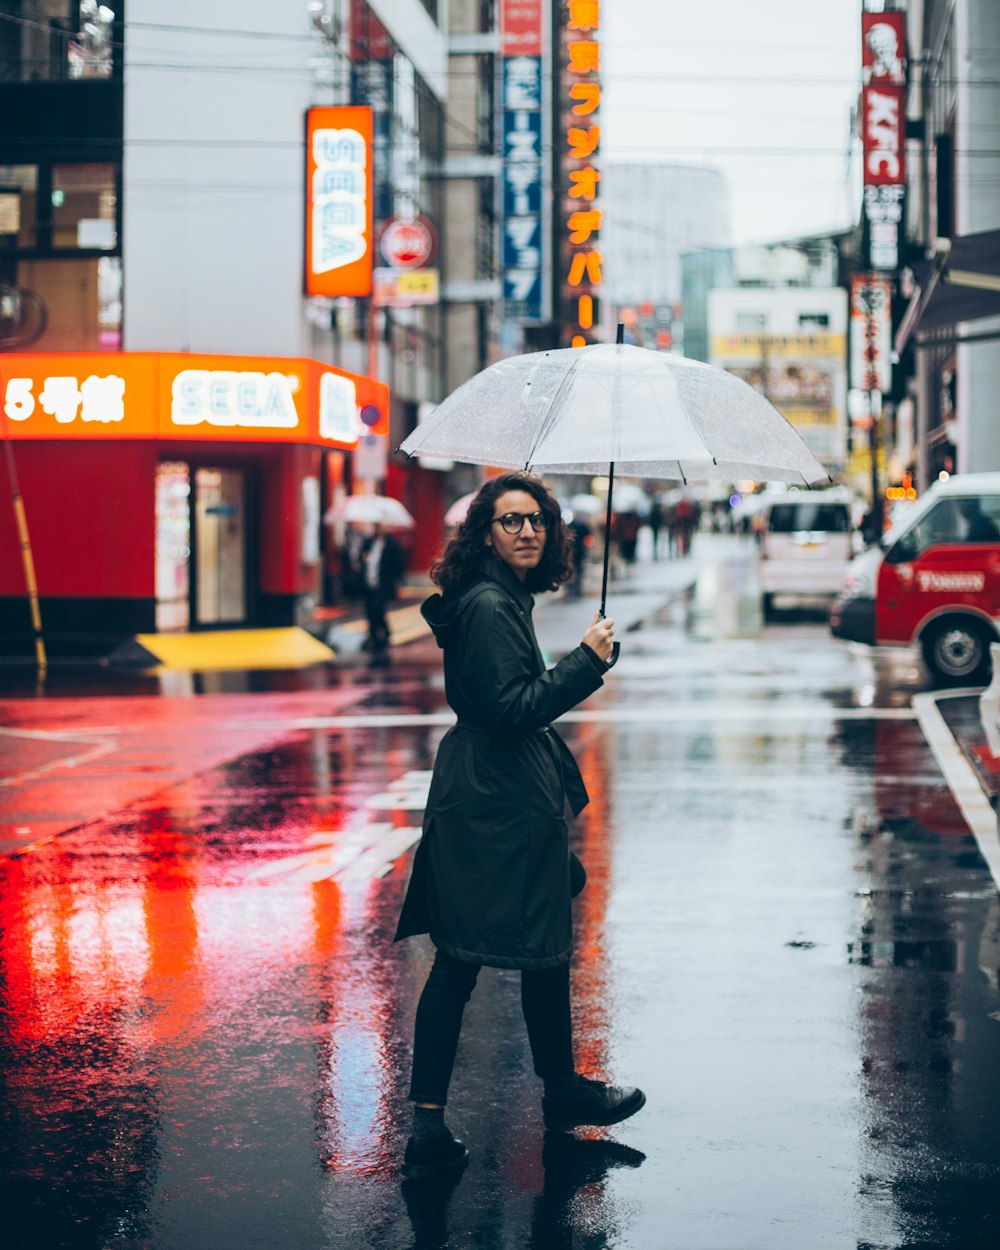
{"x": 806, "y": 543}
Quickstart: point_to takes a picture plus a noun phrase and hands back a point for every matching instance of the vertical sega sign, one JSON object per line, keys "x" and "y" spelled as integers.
{"x": 883, "y": 133}
{"x": 338, "y": 201}
{"x": 526, "y": 210}
{"x": 579, "y": 137}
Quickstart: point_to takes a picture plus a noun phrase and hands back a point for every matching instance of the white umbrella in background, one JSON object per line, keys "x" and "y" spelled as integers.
{"x": 459, "y": 510}
{"x": 371, "y": 510}
{"x": 592, "y": 410}
{"x": 630, "y": 498}
{"x": 585, "y": 505}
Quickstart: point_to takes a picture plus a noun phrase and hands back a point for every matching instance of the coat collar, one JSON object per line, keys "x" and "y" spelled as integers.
{"x": 498, "y": 571}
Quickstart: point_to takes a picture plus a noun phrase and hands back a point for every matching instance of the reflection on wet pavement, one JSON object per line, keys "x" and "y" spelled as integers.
{"x": 788, "y": 938}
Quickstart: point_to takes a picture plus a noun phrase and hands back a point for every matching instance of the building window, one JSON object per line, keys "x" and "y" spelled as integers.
{"x": 75, "y": 304}
{"x": 18, "y": 206}
{"x": 84, "y": 207}
{"x": 46, "y": 40}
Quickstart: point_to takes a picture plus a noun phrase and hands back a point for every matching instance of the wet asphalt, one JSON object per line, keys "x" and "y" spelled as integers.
{"x": 789, "y": 939}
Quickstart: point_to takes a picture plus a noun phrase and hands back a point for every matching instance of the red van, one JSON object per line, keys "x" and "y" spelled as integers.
{"x": 934, "y": 579}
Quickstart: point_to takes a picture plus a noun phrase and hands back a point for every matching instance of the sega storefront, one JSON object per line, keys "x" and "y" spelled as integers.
{"x": 174, "y": 491}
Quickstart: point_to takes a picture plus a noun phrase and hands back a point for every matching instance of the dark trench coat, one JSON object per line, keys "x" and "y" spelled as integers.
{"x": 491, "y": 876}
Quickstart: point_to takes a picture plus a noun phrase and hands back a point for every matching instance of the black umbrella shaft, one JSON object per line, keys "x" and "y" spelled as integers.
{"x": 607, "y": 538}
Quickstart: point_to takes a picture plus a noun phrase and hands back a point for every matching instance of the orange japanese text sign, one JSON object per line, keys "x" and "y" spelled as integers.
{"x": 245, "y": 399}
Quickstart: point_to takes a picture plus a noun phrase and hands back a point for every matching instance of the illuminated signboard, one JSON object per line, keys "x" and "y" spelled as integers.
{"x": 871, "y": 333}
{"x": 580, "y": 135}
{"x": 218, "y": 398}
{"x": 526, "y": 124}
{"x": 339, "y": 201}
{"x": 883, "y": 132}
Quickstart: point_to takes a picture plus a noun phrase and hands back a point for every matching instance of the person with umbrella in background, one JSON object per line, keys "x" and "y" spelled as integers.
{"x": 493, "y": 875}
{"x": 383, "y": 564}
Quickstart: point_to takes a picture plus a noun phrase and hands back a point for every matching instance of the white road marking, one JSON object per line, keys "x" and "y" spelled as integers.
{"x": 973, "y": 803}
{"x": 667, "y": 713}
{"x": 408, "y": 794}
{"x": 97, "y": 748}
{"x": 349, "y": 854}
{"x": 361, "y": 853}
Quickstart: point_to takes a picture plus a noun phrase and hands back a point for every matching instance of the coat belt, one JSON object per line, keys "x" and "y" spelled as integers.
{"x": 573, "y": 783}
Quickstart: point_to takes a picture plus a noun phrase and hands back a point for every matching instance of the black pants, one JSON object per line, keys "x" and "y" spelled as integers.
{"x": 376, "y": 602}
{"x": 544, "y": 1002}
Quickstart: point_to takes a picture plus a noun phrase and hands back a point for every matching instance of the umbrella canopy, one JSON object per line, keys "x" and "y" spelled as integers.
{"x": 651, "y": 414}
{"x": 371, "y": 510}
{"x": 458, "y": 511}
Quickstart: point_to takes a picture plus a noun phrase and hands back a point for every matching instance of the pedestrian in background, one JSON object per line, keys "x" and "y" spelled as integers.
{"x": 628, "y": 535}
{"x": 493, "y": 875}
{"x": 383, "y": 564}
{"x": 351, "y": 566}
{"x": 582, "y": 539}
{"x": 655, "y": 523}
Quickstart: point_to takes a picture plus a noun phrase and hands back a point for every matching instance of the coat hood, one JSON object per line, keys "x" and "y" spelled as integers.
{"x": 442, "y": 612}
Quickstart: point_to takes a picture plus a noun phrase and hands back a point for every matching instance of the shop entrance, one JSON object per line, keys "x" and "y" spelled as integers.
{"x": 201, "y": 546}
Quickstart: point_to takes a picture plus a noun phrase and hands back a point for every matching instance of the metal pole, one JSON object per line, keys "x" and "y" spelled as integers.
{"x": 607, "y": 539}
{"x": 873, "y": 429}
{"x": 615, "y": 647}
{"x": 24, "y": 541}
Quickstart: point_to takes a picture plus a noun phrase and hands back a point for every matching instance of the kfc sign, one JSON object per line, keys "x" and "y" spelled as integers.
{"x": 883, "y": 134}
{"x": 883, "y": 49}
{"x": 883, "y": 122}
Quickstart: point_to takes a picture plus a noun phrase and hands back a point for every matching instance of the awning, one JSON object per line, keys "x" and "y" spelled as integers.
{"x": 960, "y": 283}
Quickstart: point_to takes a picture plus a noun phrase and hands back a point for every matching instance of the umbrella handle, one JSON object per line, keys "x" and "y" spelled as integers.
{"x": 616, "y": 647}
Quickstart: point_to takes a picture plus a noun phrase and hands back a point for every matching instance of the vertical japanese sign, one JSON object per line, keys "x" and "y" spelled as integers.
{"x": 339, "y": 201}
{"x": 579, "y": 136}
{"x": 871, "y": 333}
{"x": 527, "y": 263}
{"x": 883, "y": 133}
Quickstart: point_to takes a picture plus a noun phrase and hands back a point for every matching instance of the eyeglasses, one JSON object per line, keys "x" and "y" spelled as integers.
{"x": 513, "y": 522}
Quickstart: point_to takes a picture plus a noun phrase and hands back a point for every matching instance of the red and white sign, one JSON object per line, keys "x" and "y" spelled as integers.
{"x": 883, "y": 133}
{"x": 883, "y": 48}
{"x": 521, "y": 27}
{"x": 871, "y": 333}
{"x": 407, "y": 243}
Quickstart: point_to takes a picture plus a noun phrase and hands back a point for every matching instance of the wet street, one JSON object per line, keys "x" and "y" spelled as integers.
{"x": 789, "y": 939}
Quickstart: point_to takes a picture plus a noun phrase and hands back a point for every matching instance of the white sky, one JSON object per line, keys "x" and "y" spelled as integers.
{"x": 761, "y": 89}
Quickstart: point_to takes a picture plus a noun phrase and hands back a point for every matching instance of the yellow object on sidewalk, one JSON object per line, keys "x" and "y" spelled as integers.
{"x": 236, "y": 648}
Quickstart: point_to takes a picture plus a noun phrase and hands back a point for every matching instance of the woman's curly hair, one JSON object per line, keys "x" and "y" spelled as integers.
{"x": 466, "y": 552}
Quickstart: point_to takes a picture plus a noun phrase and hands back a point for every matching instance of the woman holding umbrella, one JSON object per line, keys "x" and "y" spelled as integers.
{"x": 493, "y": 875}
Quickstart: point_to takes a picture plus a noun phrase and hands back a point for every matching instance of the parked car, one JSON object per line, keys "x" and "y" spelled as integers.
{"x": 933, "y": 579}
{"x": 805, "y": 542}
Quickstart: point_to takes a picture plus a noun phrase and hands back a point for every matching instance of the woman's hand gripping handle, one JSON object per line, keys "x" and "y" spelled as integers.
{"x": 600, "y": 639}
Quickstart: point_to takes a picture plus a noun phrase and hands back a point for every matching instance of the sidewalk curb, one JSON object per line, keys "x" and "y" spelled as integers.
{"x": 974, "y": 801}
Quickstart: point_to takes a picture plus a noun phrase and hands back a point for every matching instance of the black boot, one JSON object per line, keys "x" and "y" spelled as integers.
{"x": 591, "y": 1103}
{"x": 431, "y": 1149}
{"x": 424, "y": 1158}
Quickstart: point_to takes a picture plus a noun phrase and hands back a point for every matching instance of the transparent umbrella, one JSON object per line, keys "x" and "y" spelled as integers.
{"x": 372, "y": 510}
{"x": 607, "y": 407}
{"x": 651, "y": 414}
